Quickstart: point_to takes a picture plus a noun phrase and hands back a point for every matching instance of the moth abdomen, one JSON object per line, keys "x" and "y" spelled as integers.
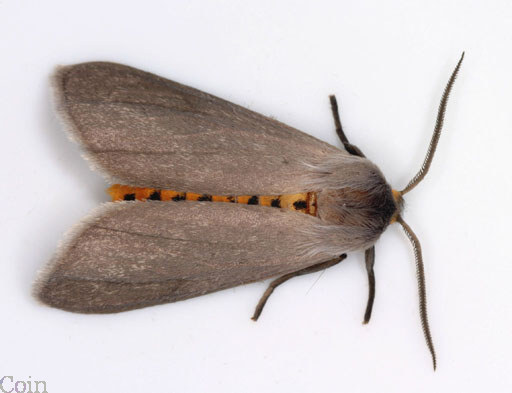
{"x": 302, "y": 202}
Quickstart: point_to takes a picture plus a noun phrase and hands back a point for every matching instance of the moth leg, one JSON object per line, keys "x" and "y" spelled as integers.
{"x": 369, "y": 253}
{"x": 369, "y": 256}
{"x": 352, "y": 149}
{"x": 278, "y": 281}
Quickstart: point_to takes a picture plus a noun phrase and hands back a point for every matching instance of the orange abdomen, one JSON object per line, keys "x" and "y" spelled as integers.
{"x": 303, "y": 202}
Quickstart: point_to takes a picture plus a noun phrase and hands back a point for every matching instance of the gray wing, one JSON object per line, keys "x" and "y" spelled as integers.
{"x": 129, "y": 255}
{"x": 148, "y": 131}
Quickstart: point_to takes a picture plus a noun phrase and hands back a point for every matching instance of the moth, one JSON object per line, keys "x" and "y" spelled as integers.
{"x": 208, "y": 195}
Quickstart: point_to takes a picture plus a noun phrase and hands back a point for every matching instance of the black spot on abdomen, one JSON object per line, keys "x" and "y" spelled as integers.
{"x": 275, "y": 202}
{"x": 155, "y": 196}
{"x": 300, "y": 204}
{"x": 254, "y": 200}
{"x": 205, "y": 197}
{"x": 129, "y": 197}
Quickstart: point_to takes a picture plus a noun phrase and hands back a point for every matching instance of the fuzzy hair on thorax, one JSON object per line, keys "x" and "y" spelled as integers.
{"x": 355, "y": 204}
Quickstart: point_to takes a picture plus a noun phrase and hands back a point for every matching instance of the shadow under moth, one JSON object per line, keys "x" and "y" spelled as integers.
{"x": 288, "y": 203}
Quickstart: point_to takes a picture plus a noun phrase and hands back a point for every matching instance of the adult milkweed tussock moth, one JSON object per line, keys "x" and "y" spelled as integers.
{"x": 166, "y": 143}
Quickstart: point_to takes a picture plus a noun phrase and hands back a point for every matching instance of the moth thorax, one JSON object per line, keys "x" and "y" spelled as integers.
{"x": 357, "y": 207}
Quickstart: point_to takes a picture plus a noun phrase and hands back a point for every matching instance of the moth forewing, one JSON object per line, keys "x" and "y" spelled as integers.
{"x": 129, "y": 255}
{"x": 146, "y": 131}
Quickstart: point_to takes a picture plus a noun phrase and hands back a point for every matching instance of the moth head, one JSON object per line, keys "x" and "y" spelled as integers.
{"x": 399, "y": 203}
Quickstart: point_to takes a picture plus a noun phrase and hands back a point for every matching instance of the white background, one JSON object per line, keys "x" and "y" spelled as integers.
{"x": 388, "y": 63}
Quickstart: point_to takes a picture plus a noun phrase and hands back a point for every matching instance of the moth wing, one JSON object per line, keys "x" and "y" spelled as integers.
{"x": 141, "y": 129}
{"x": 129, "y": 255}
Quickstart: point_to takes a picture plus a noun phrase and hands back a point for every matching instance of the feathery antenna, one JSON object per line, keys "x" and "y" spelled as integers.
{"x": 437, "y": 131}
{"x": 420, "y": 274}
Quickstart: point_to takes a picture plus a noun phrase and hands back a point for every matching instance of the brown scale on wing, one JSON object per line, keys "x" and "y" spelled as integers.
{"x": 303, "y": 202}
